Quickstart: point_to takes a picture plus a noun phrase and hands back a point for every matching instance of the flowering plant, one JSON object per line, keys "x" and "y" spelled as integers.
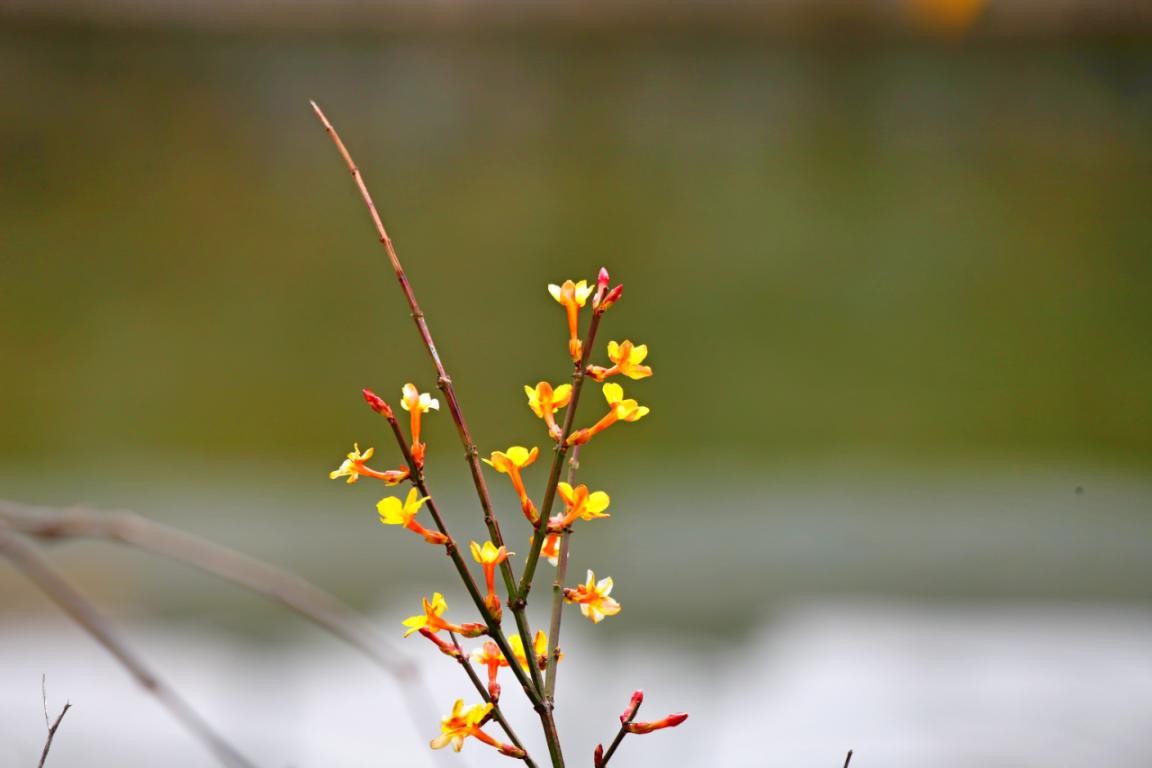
{"x": 531, "y": 658}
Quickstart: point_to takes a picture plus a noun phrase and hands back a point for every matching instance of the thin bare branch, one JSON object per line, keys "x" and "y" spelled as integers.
{"x": 848, "y": 759}
{"x": 52, "y": 731}
{"x": 26, "y": 559}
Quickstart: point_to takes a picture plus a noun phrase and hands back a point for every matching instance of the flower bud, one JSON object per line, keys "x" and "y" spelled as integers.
{"x": 671, "y": 721}
{"x": 612, "y": 297}
{"x": 472, "y": 629}
{"x": 598, "y": 757}
{"x": 376, "y": 403}
{"x": 633, "y": 707}
{"x": 512, "y": 751}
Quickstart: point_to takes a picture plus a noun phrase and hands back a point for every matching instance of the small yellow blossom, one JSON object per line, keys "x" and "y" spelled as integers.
{"x": 572, "y": 296}
{"x": 394, "y": 512}
{"x": 540, "y": 649}
{"x": 510, "y": 462}
{"x": 433, "y": 610}
{"x": 627, "y": 358}
{"x": 354, "y": 466}
{"x": 593, "y": 599}
{"x": 620, "y": 410}
{"x": 581, "y": 504}
{"x": 545, "y": 401}
{"x": 417, "y": 403}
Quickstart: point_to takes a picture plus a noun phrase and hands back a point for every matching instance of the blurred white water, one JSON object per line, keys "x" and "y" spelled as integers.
{"x": 903, "y": 683}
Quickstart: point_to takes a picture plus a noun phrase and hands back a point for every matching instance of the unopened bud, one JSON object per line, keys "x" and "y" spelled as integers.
{"x": 601, "y": 287}
{"x": 598, "y": 757}
{"x": 671, "y": 721}
{"x": 376, "y": 403}
{"x": 471, "y": 630}
{"x": 512, "y": 751}
{"x": 612, "y": 297}
{"x": 633, "y": 706}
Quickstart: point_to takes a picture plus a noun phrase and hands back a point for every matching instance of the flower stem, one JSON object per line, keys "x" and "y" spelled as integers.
{"x": 558, "y": 593}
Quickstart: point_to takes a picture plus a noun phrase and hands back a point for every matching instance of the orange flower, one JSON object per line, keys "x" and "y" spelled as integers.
{"x": 592, "y": 597}
{"x": 626, "y": 358}
{"x": 461, "y": 723}
{"x": 572, "y": 296}
{"x": 581, "y": 504}
{"x": 489, "y": 656}
{"x": 510, "y": 462}
{"x": 551, "y": 547}
{"x": 621, "y": 410}
{"x": 545, "y": 401}
{"x": 394, "y": 512}
{"x": 417, "y": 403}
{"x": 431, "y": 620}
{"x": 354, "y": 466}
{"x": 489, "y": 557}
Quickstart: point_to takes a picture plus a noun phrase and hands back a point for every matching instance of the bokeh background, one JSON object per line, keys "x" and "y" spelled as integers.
{"x": 893, "y": 264}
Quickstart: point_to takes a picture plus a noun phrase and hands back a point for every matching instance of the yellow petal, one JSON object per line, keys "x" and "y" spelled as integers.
{"x": 554, "y": 290}
{"x": 613, "y": 392}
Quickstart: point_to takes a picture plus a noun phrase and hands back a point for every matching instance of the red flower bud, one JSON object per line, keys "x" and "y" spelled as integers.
{"x": 671, "y": 721}
{"x": 376, "y": 403}
{"x": 612, "y": 297}
{"x": 598, "y": 756}
{"x": 633, "y": 707}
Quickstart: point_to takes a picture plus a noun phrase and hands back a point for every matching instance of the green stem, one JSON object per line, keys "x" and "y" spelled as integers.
{"x": 541, "y": 529}
{"x": 558, "y": 594}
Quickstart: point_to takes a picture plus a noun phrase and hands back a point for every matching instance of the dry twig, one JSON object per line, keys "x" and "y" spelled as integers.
{"x": 51, "y": 728}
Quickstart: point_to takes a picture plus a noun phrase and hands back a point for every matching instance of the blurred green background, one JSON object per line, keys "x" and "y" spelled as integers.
{"x": 897, "y": 290}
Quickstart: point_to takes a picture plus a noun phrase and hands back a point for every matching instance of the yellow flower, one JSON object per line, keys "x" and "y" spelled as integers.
{"x": 620, "y": 410}
{"x": 353, "y": 466}
{"x": 394, "y": 512}
{"x": 540, "y": 650}
{"x": 510, "y": 462}
{"x": 433, "y": 610}
{"x": 581, "y": 504}
{"x": 572, "y": 296}
{"x": 592, "y": 597}
{"x": 545, "y": 401}
{"x": 413, "y": 400}
{"x": 460, "y": 724}
{"x": 416, "y": 403}
{"x": 489, "y": 557}
{"x": 627, "y": 358}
